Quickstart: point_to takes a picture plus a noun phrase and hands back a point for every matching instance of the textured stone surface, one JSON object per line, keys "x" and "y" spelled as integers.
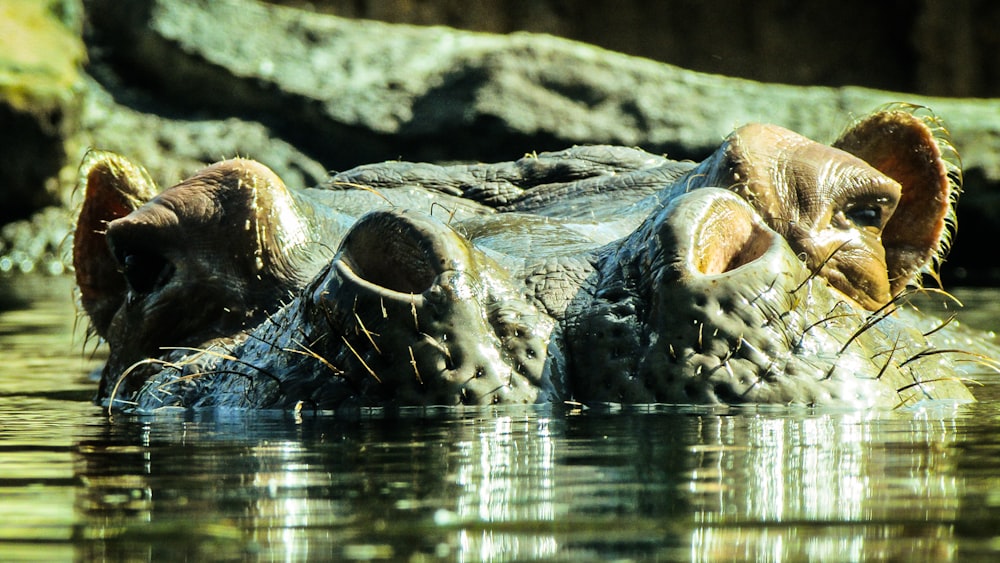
{"x": 357, "y": 91}
{"x": 182, "y": 83}
{"x": 936, "y": 48}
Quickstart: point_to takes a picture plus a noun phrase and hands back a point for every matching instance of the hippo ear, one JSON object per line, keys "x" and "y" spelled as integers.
{"x": 113, "y": 187}
{"x": 914, "y": 150}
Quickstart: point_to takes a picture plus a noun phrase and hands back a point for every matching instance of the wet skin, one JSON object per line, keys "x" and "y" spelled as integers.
{"x": 772, "y": 272}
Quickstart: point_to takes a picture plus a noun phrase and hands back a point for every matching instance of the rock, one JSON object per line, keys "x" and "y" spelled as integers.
{"x": 171, "y": 147}
{"x": 932, "y": 48}
{"x": 40, "y": 58}
{"x": 359, "y": 91}
{"x": 176, "y": 84}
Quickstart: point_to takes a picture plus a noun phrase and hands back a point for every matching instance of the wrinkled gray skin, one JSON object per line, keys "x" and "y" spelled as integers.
{"x": 770, "y": 273}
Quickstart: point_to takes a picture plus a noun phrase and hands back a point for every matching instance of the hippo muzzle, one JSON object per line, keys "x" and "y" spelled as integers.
{"x": 707, "y": 304}
{"x": 423, "y": 317}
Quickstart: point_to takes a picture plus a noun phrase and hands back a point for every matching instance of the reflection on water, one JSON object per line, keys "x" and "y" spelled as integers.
{"x": 478, "y": 484}
{"x": 848, "y": 481}
{"x": 529, "y": 484}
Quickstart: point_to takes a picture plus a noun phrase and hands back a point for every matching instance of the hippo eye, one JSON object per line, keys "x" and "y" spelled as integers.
{"x": 145, "y": 271}
{"x": 865, "y": 216}
{"x": 869, "y": 215}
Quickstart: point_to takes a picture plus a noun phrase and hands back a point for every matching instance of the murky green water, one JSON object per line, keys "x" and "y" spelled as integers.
{"x": 517, "y": 484}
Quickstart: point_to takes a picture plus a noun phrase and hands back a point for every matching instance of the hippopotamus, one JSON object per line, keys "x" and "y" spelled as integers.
{"x": 776, "y": 271}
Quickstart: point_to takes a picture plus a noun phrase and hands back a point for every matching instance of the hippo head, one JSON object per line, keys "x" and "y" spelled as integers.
{"x": 203, "y": 259}
{"x": 780, "y": 284}
{"x": 867, "y": 213}
{"x": 408, "y": 312}
{"x": 769, "y": 273}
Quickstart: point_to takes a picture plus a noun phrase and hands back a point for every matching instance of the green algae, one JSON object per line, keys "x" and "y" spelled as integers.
{"x": 40, "y": 54}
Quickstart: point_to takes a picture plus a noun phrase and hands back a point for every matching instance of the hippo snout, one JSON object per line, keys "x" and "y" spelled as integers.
{"x": 705, "y": 303}
{"x": 416, "y": 315}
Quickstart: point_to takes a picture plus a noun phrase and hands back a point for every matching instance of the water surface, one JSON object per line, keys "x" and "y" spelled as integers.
{"x": 664, "y": 483}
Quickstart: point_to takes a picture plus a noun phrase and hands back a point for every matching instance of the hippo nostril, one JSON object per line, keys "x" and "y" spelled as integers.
{"x": 729, "y": 237}
{"x": 399, "y": 269}
{"x": 391, "y": 253}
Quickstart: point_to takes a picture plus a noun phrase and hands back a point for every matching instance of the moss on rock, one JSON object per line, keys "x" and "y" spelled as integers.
{"x": 41, "y": 56}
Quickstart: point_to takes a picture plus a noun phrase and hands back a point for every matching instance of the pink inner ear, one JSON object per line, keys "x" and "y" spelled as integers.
{"x": 904, "y": 147}
{"x": 113, "y": 187}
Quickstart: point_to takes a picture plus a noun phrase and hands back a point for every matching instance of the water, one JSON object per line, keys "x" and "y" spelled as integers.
{"x": 765, "y": 484}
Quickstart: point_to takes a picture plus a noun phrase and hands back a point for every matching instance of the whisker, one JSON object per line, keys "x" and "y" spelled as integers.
{"x": 451, "y": 212}
{"x": 367, "y": 333}
{"x": 360, "y": 359}
{"x": 128, "y": 371}
{"x": 762, "y": 293}
{"x": 215, "y": 353}
{"x": 934, "y": 290}
{"x": 274, "y": 346}
{"x": 771, "y": 312}
{"x": 690, "y": 180}
{"x": 196, "y": 375}
{"x": 310, "y": 353}
{"x": 731, "y": 352}
{"x": 362, "y": 187}
{"x": 729, "y": 370}
{"x": 942, "y": 325}
{"x": 935, "y": 380}
{"x": 825, "y": 319}
{"x": 925, "y": 353}
{"x": 979, "y": 358}
{"x": 815, "y": 272}
{"x": 874, "y": 318}
{"x": 229, "y": 358}
{"x": 892, "y": 352}
{"x": 440, "y": 347}
{"x": 413, "y": 362}
{"x": 751, "y": 387}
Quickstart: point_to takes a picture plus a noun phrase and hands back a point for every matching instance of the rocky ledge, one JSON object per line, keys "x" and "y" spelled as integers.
{"x": 176, "y": 84}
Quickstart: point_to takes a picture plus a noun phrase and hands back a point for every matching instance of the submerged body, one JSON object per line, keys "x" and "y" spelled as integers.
{"x": 772, "y": 272}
